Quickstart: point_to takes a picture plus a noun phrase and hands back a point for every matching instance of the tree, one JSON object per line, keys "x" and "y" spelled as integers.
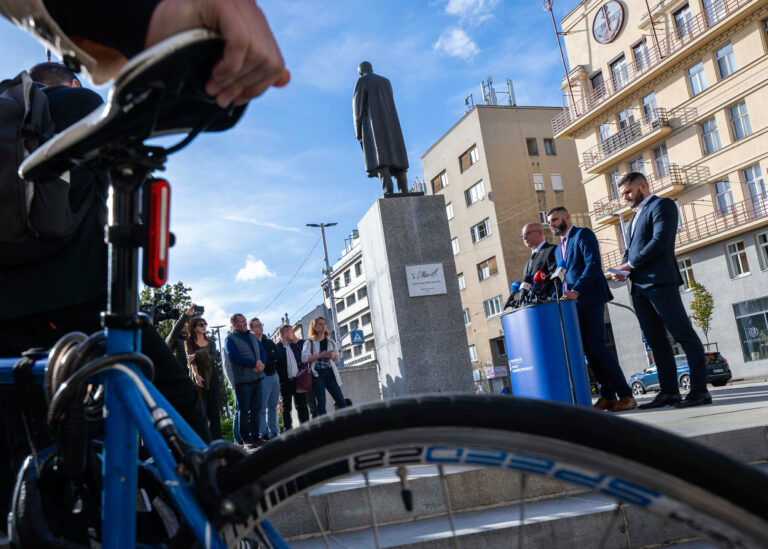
{"x": 171, "y": 296}
{"x": 702, "y": 306}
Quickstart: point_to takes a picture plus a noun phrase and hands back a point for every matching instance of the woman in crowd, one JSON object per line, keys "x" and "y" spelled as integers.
{"x": 320, "y": 352}
{"x": 201, "y": 356}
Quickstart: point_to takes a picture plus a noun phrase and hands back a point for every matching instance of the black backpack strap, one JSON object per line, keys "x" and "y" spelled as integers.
{"x": 32, "y": 401}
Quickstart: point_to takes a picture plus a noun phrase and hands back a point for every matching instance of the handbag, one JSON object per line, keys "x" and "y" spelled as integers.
{"x": 304, "y": 380}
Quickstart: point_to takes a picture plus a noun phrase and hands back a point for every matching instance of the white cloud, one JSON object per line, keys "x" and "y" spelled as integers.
{"x": 457, "y": 43}
{"x": 267, "y": 224}
{"x": 254, "y": 268}
{"x": 471, "y": 11}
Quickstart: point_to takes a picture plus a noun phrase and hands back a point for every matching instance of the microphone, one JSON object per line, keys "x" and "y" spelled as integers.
{"x": 539, "y": 280}
{"x": 559, "y": 273}
{"x": 514, "y": 288}
{"x": 525, "y": 289}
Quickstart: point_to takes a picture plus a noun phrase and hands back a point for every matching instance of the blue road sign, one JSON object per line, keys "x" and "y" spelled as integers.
{"x": 356, "y": 337}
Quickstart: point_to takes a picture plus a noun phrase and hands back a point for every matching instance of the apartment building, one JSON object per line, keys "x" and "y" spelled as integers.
{"x": 498, "y": 168}
{"x": 352, "y": 308}
{"x": 677, "y": 89}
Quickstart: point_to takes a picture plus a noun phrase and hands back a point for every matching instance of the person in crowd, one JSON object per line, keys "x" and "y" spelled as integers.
{"x": 585, "y": 282}
{"x": 655, "y": 280}
{"x": 226, "y": 366}
{"x": 288, "y": 365}
{"x": 320, "y": 352}
{"x": 247, "y": 357}
{"x": 542, "y": 252}
{"x": 269, "y": 394}
{"x": 177, "y": 338}
{"x": 201, "y": 357}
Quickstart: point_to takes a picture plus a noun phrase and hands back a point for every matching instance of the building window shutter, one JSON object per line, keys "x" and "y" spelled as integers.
{"x": 492, "y": 268}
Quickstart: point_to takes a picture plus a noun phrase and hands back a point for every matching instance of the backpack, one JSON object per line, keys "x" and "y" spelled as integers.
{"x": 35, "y": 218}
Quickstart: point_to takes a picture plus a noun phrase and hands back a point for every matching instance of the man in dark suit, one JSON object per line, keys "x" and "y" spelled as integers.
{"x": 584, "y": 280}
{"x": 542, "y": 252}
{"x": 650, "y": 259}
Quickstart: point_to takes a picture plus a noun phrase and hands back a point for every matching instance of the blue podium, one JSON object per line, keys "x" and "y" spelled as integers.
{"x": 536, "y": 352}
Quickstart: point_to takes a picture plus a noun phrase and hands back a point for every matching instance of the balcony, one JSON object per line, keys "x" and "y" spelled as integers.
{"x": 627, "y": 141}
{"x": 663, "y": 186}
{"x": 669, "y": 44}
{"x": 707, "y": 229}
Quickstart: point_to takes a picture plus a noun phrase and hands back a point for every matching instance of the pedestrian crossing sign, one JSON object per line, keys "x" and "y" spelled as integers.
{"x": 357, "y": 337}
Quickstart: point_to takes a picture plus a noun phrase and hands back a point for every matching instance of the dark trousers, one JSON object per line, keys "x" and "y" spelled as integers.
{"x": 660, "y": 309}
{"x": 210, "y": 398}
{"x": 604, "y": 364}
{"x": 327, "y": 380}
{"x": 248, "y": 408}
{"x": 289, "y": 394}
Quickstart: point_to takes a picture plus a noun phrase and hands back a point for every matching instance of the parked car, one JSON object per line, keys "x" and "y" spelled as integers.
{"x": 718, "y": 374}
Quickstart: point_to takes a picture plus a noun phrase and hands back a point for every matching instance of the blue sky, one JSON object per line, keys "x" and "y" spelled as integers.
{"x": 241, "y": 200}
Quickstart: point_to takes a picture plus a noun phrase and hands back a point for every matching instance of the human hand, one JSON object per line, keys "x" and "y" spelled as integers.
{"x": 624, "y": 267}
{"x": 199, "y": 381}
{"x": 190, "y": 311}
{"x": 251, "y": 62}
{"x": 569, "y": 295}
{"x": 191, "y": 357}
{"x": 259, "y": 366}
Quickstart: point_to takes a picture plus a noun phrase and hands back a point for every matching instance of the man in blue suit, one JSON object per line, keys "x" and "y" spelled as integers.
{"x": 650, "y": 259}
{"x": 585, "y": 281}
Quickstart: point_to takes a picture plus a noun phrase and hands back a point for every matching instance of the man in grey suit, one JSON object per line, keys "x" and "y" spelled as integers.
{"x": 542, "y": 252}
{"x": 650, "y": 259}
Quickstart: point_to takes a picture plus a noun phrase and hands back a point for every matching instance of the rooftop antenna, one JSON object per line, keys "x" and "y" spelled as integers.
{"x": 469, "y": 102}
{"x": 511, "y": 92}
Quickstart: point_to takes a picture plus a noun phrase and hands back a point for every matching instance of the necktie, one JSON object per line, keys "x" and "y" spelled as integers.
{"x": 562, "y": 252}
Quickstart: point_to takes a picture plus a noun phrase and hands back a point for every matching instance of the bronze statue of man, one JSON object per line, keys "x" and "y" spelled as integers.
{"x": 377, "y": 129}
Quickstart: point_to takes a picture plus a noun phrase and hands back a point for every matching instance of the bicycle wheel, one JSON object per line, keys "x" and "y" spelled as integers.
{"x": 514, "y": 453}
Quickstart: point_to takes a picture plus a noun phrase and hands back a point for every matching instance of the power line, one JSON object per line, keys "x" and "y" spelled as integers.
{"x": 291, "y": 280}
{"x": 296, "y": 314}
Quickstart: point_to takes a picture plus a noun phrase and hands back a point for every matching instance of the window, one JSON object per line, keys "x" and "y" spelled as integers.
{"x": 726, "y": 62}
{"x": 549, "y": 147}
{"x": 710, "y": 136}
{"x": 343, "y": 330}
{"x": 362, "y": 292}
{"x": 626, "y": 118}
{"x": 650, "y": 109}
{"x": 684, "y": 22}
{"x": 714, "y": 10}
{"x": 543, "y": 218}
{"x": 340, "y": 306}
{"x": 468, "y": 158}
{"x": 619, "y": 73}
{"x": 449, "y": 210}
{"x": 487, "y": 269}
{"x": 347, "y": 277}
{"x": 370, "y": 345}
{"x": 604, "y": 130}
{"x": 351, "y": 299}
{"x": 357, "y": 350}
{"x": 723, "y": 196}
{"x": 762, "y": 250}
{"x": 758, "y": 200}
{"x": 765, "y": 28}
{"x": 533, "y": 146}
{"x": 472, "y": 353}
{"x": 637, "y": 165}
{"x": 686, "y": 271}
{"x": 366, "y": 319}
{"x": 336, "y": 284}
{"x": 480, "y": 231}
{"x": 347, "y": 354}
{"x": 737, "y": 259}
{"x": 598, "y": 85}
{"x": 354, "y": 325}
{"x": 697, "y": 78}
{"x": 492, "y": 307}
{"x": 661, "y": 159}
{"x": 538, "y": 182}
{"x": 740, "y": 121}
{"x": 455, "y": 245}
{"x": 557, "y": 181}
{"x": 358, "y": 268}
{"x": 439, "y": 182}
{"x": 613, "y": 183}
{"x": 642, "y": 58}
{"x": 475, "y": 193}
{"x": 752, "y": 324}
{"x": 460, "y": 278}
{"x": 467, "y": 318}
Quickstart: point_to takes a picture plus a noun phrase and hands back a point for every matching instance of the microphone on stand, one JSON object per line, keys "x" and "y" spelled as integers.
{"x": 559, "y": 278}
{"x": 525, "y": 289}
{"x": 514, "y": 289}
{"x": 538, "y": 286}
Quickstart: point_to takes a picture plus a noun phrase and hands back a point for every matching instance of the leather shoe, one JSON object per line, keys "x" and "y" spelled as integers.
{"x": 625, "y": 403}
{"x": 661, "y": 400}
{"x": 605, "y": 404}
{"x": 695, "y": 399}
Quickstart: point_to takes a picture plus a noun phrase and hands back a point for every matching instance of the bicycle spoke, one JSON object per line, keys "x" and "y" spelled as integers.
{"x": 317, "y": 521}
{"x": 448, "y": 506}
{"x": 373, "y": 513}
{"x": 521, "y": 526}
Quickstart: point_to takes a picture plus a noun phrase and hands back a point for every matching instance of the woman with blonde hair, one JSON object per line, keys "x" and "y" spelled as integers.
{"x": 321, "y": 352}
{"x": 201, "y": 358}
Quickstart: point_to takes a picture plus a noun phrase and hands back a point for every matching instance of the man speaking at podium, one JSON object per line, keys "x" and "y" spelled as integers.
{"x": 542, "y": 252}
{"x": 584, "y": 280}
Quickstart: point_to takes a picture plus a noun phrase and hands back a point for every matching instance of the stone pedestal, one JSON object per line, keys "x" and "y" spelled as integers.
{"x": 421, "y": 342}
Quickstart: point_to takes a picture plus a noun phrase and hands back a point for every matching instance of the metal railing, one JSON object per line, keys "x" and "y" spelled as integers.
{"x": 625, "y": 137}
{"x": 635, "y": 68}
{"x": 711, "y": 224}
{"x": 610, "y": 204}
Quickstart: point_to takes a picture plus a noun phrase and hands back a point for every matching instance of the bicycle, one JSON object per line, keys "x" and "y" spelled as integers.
{"x": 176, "y": 491}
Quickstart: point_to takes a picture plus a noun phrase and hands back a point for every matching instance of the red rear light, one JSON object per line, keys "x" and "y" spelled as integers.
{"x": 156, "y": 218}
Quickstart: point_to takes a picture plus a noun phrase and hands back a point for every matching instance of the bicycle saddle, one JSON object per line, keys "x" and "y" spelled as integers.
{"x": 161, "y": 91}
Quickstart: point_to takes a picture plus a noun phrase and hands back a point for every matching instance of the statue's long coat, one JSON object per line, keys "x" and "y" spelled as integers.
{"x": 377, "y": 126}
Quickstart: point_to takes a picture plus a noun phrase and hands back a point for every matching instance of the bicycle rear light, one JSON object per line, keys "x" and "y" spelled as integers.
{"x": 156, "y": 214}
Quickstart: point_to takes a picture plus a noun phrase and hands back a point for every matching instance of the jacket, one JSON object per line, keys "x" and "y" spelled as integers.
{"x": 282, "y": 360}
{"x": 244, "y": 350}
{"x": 544, "y": 260}
{"x": 584, "y": 269}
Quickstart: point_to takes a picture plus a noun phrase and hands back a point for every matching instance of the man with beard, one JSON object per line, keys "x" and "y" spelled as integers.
{"x": 584, "y": 281}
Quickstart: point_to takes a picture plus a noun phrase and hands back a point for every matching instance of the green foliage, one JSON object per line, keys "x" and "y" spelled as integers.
{"x": 702, "y": 307}
{"x": 178, "y": 296}
{"x": 226, "y": 429}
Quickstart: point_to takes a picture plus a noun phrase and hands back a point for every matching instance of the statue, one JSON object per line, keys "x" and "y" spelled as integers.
{"x": 377, "y": 129}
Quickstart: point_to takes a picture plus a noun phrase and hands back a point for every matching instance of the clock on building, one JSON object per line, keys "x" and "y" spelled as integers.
{"x": 608, "y": 21}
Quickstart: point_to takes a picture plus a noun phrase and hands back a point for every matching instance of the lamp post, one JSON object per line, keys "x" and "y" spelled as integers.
{"x": 327, "y": 273}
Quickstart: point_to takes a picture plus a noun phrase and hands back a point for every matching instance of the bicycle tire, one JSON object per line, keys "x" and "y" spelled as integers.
{"x": 707, "y": 490}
